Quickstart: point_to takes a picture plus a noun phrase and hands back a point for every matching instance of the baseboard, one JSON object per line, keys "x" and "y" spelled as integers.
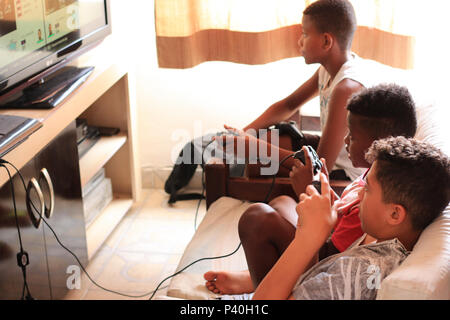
{"x": 155, "y": 178}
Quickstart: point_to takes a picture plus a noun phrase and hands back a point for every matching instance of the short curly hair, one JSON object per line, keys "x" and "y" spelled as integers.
{"x": 385, "y": 110}
{"x": 336, "y": 17}
{"x": 413, "y": 174}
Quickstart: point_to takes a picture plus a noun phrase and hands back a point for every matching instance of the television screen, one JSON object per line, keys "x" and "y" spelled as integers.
{"x": 37, "y": 34}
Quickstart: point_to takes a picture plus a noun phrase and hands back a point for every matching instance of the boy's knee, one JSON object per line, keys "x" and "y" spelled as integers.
{"x": 255, "y": 219}
{"x": 281, "y": 200}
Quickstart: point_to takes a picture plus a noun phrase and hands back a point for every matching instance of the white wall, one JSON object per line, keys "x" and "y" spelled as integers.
{"x": 214, "y": 93}
{"x": 206, "y": 96}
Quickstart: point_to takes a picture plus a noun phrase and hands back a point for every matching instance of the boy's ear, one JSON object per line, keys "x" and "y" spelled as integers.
{"x": 328, "y": 41}
{"x": 398, "y": 214}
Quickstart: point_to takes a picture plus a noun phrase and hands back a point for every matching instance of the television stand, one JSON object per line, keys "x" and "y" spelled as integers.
{"x": 50, "y": 91}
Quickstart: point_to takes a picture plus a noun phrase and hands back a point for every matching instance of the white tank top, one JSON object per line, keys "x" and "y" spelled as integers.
{"x": 355, "y": 69}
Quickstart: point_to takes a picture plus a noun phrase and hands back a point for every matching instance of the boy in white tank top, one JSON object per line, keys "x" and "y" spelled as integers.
{"x": 353, "y": 69}
{"x": 327, "y": 33}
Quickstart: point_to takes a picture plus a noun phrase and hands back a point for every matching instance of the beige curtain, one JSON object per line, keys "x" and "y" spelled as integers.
{"x": 189, "y": 32}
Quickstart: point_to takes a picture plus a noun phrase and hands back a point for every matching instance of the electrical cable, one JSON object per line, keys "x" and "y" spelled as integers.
{"x": 266, "y": 199}
{"x": 22, "y": 256}
{"x": 198, "y": 260}
{"x": 152, "y": 293}
{"x": 200, "y": 200}
{"x": 64, "y": 247}
{"x": 203, "y": 183}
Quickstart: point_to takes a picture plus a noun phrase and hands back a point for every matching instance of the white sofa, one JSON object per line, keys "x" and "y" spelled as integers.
{"x": 423, "y": 275}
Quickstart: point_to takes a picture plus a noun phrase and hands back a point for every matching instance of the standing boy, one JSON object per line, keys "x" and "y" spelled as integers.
{"x": 328, "y": 27}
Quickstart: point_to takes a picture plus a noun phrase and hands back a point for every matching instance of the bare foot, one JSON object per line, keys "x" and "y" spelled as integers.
{"x": 227, "y": 282}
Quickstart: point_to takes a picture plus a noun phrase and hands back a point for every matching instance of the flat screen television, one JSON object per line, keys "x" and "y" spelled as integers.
{"x": 39, "y": 37}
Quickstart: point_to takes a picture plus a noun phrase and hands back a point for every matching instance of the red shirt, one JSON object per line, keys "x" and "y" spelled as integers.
{"x": 348, "y": 228}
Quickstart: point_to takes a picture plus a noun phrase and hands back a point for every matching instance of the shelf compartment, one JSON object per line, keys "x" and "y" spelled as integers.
{"x": 99, "y": 155}
{"x": 104, "y": 224}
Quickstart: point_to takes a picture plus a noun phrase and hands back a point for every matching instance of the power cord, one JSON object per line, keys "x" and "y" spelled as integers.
{"x": 240, "y": 244}
{"x": 266, "y": 199}
{"x": 195, "y": 223}
{"x": 294, "y": 154}
{"x": 192, "y": 263}
{"x": 22, "y": 256}
{"x": 24, "y": 259}
{"x": 152, "y": 293}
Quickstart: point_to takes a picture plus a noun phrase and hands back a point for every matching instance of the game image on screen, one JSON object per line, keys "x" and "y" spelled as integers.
{"x": 31, "y": 29}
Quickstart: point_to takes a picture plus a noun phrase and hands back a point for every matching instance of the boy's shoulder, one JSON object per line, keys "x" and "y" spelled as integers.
{"x": 384, "y": 255}
{"x": 353, "y": 75}
{"x": 347, "y": 275}
{"x": 346, "y": 87}
{"x": 392, "y": 248}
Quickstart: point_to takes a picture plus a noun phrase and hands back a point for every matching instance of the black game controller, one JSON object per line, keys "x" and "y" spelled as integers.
{"x": 315, "y": 161}
{"x": 290, "y": 128}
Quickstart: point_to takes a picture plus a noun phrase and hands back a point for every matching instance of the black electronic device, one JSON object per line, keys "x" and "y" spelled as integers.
{"x": 315, "y": 161}
{"x": 108, "y": 131}
{"x": 40, "y": 37}
{"x": 290, "y": 128}
{"x": 14, "y": 130}
{"x": 51, "y": 91}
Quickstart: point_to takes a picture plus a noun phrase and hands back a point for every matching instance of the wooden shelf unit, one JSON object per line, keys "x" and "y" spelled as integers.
{"x": 107, "y": 99}
{"x": 98, "y": 156}
{"x": 106, "y": 221}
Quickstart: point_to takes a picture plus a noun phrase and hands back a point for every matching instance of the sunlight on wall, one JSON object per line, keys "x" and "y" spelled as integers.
{"x": 213, "y": 93}
{"x": 217, "y": 93}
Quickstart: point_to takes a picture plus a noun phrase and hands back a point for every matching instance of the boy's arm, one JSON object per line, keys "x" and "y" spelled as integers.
{"x": 262, "y": 148}
{"x": 283, "y": 109}
{"x": 333, "y": 134}
{"x": 301, "y": 175}
{"x": 315, "y": 222}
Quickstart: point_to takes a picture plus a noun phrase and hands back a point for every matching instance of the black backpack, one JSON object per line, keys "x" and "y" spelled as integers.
{"x": 180, "y": 176}
{"x": 192, "y": 154}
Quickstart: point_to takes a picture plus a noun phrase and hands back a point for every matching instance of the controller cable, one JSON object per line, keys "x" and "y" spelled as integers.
{"x": 294, "y": 154}
{"x": 24, "y": 259}
{"x": 22, "y": 256}
{"x": 23, "y": 253}
{"x": 224, "y": 256}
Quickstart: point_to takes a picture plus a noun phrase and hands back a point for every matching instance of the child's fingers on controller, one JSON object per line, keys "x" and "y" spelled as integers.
{"x": 324, "y": 166}
{"x": 298, "y": 164}
{"x": 324, "y": 185}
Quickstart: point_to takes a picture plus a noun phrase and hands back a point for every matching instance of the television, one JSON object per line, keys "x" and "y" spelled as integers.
{"x": 38, "y": 38}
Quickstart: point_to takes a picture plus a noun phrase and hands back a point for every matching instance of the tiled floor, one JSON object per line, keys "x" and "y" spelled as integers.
{"x": 143, "y": 250}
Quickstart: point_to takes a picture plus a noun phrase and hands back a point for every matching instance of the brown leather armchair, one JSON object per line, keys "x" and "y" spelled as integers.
{"x": 250, "y": 187}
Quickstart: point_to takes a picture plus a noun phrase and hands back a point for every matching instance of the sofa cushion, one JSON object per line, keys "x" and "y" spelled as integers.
{"x": 216, "y": 235}
{"x": 425, "y": 272}
{"x": 423, "y": 275}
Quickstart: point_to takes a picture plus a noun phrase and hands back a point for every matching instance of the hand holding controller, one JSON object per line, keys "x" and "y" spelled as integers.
{"x": 315, "y": 161}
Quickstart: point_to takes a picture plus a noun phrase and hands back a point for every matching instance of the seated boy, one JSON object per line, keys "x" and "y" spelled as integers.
{"x": 328, "y": 27}
{"x": 266, "y": 230}
{"x": 406, "y": 188}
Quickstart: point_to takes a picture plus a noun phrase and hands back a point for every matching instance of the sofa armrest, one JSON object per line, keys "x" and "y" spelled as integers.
{"x": 216, "y": 176}
{"x": 255, "y": 189}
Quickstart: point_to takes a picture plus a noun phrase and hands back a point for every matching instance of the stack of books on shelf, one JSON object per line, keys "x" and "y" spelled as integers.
{"x": 97, "y": 194}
